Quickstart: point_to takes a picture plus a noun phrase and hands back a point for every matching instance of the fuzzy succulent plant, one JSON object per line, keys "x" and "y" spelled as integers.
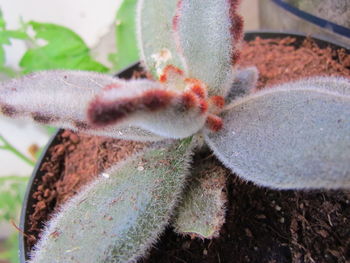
{"x": 293, "y": 136}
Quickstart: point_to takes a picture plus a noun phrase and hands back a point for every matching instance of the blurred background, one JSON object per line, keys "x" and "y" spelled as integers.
{"x": 97, "y": 30}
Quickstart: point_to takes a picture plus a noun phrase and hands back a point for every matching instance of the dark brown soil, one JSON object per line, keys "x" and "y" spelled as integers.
{"x": 262, "y": 225}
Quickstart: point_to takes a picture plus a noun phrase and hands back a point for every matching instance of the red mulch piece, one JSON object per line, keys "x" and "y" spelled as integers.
{"x": 278, "y": 61}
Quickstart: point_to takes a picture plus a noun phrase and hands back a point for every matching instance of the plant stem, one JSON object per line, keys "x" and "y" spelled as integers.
{"x": 11, "y": 148}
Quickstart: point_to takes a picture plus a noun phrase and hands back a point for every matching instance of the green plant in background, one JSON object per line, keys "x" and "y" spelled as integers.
{"x": 57, "y": 47}
{"x": 63, "y": 49}
{"x": 125, "y": 36}
{"x": 12, "y": 190}
{"x": 5, "y": 145}
{"x": 5, "y": 39}
{"x": 10, "y": 246}
{"x": 293, "y": 136}
{"x": 51, "y": 47}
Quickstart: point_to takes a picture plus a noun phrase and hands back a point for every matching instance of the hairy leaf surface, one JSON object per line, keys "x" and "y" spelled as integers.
{"x": 156, "y": 37}
{"x": 61, "y": 98}
{"x": 118, "y": 217}
{"x": 201, "y": 213}
{"x": 100, "y": 104}
{"x": 244, "y": 83}
{"x": 293, "y": 136}
{"x": 209, "y": 33}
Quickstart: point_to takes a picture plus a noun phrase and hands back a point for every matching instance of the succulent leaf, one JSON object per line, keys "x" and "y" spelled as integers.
{"x": 152, "y": 106}
{"x": 296, "y": 135}
{"x": 209, "y": 34}
{"x": 199, "y": 37}
{"x": 60, "y": 98}
{"x": 118, "y": 217}
{"x": 332, "y": 84}
{"x": 201, "y": 213}
{"x": 155, "y": 35}
{"x": 244, "y": 82}
{"x": 102, "y": 105}
{"x": 51, "y": 96}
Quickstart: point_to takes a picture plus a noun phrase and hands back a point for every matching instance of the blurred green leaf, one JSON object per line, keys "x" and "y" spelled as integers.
{"x": 11, "y": 249}
{"x": 64, "y": 50}
{"x": 5, "y": 39}
{"x": 127, "y": 51}
{"x": 2, "y": 21}
{"x": 50, "y": 130}
{"x": 12, "y": 189}
{"x": 7, "y": 146}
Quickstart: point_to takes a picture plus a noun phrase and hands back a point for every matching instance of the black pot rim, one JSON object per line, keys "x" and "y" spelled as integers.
{"x": 127, "y": 73}
{"x": 321, "y": 41}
